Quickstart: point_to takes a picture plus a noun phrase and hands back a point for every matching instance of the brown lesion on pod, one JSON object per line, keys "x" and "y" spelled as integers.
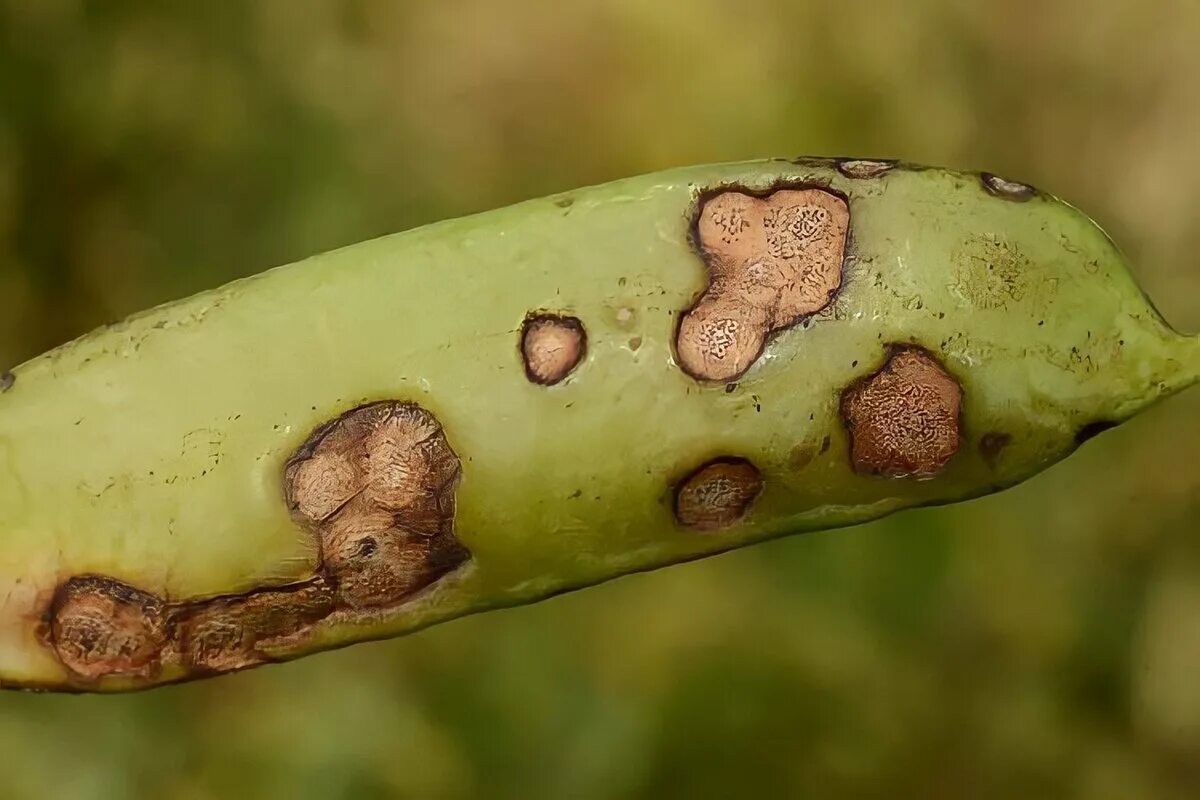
{"x": 100, "y": 626}
{"x": 904, "y": 419}
{"x": 771, "y": 262}
{"x": 377, "y": 488}
{"x": 551, "y": 347}
{"x": 1006, "y": 189}
{"x": 717, "y": 494}
{"x": 224, "y": 634}
{"x": 864, "y": 168}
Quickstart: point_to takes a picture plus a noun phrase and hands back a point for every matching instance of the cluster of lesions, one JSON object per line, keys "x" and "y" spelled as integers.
{"x": 375, "y": 487}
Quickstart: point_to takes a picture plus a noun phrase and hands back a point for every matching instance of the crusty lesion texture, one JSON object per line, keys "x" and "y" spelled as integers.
{"x": 375, "y": 487}
{"x": 904, "y": 419}
{"x": 100, "y": 626}
{"x": 717, "y": 494}
{"x": 771, "y": 262}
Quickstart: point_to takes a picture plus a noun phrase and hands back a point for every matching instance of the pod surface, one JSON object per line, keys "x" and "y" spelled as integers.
{"x": 153, "y": 452}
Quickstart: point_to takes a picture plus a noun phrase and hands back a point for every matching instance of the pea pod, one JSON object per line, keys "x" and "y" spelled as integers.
{"x": 488, "y": 411}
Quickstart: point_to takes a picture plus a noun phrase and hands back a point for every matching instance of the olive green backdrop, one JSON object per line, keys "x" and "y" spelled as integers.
{"x": 1040, "y": 643}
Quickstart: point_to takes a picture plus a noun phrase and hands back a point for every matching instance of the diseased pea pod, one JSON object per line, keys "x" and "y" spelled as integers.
{"x": 491, "y": 410}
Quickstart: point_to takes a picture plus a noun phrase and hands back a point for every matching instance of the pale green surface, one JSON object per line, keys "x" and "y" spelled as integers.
{"x": 1037, "y": 643}
{"x": 152, "y": 452}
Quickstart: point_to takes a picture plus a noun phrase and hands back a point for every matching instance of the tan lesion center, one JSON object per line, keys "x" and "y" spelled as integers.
{"x": 375, "y": 487}
{"x": 904, "y": 419}
{"x": 771, "y": 262}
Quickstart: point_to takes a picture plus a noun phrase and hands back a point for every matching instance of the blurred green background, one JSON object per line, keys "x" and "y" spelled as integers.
{"x": 1040, "y": 643}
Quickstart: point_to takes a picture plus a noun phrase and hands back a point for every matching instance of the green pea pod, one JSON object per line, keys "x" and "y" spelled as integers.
{"x": 488, "y": 411}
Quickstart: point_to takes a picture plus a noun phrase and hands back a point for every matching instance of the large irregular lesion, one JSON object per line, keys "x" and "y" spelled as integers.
{"x": 771, "y": 261}
{"x": 375, "y": 487}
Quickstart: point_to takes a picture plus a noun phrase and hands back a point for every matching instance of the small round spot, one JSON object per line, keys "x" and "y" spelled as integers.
{"x": 863, "y": 169}
{"x": 1009, "y": 190}
{"x": 904, "y": 419}
{"x": 551, "y": 347}
{"x": 718, "y": 494}
{"x": 100, "y": 626}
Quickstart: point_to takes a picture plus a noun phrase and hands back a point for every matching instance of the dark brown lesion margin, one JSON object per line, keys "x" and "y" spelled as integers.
{"x": 376, "y": 487}
{"x": 551, "y": 346}
{"x": 904, "y": 420}
{"x": 717, "y": 494}
{"x": 793, "y": 269}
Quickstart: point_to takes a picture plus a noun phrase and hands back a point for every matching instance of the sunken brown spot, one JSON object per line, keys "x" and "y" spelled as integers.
{"x": 1009, "y": 190}
{"x": 226, "y": 633}
{"x": 718, "y": 494}
{"x": 100, "y": 626}
{"x": 862, "y": 169}
{"x": 992, "y": 445}
{"x": 551, "y": 346}
{"x": 771, "y": 261}
{"x": 377, "y": 488}
{"x": 904, "y": 419}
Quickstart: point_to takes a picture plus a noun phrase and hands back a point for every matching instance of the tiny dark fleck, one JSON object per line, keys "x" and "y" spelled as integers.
{"x": 564, "y": 202}
{"x": 1041, "y": 323}
{"x": 854, "y": 363}
{"x": 7, "y": 379}
{"x": 991, "y": 445}
{"x": 1093, "y": 429}
{"x": 621, "y": 281}
{"x": 941, "y": 315}
{"x": 576, "y": 494}
{"x": 730, "y": 388}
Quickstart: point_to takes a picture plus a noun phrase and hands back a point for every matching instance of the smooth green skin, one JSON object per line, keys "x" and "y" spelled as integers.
{"x": 152, "y": 451}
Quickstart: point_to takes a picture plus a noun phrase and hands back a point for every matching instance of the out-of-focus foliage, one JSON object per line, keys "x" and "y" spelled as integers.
{"x": 1040, "y": 643}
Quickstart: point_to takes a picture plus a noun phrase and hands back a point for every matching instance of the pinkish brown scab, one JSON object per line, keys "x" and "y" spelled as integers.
{"x": 771, "y": 261}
